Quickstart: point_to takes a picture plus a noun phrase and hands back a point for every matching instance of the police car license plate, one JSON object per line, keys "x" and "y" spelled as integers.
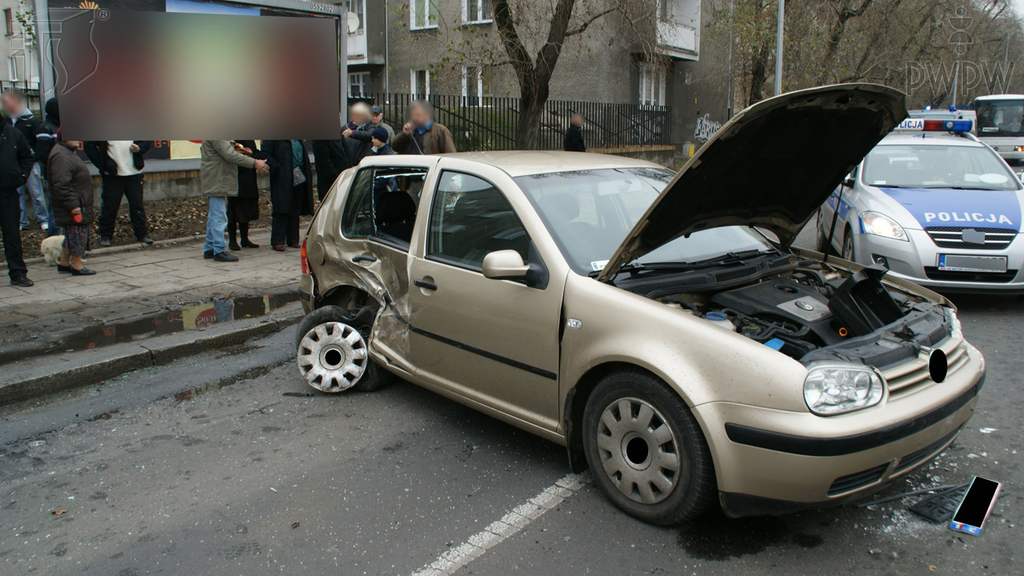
{"x": 961, "y": 263}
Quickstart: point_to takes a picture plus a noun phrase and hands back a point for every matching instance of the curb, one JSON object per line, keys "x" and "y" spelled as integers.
{"x": 136, "y": 247}
{"x": 89, "y": 367}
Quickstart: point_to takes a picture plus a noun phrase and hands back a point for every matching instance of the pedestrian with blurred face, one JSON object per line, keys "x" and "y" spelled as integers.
{"x": 421, "y": 135}
{"x": 120, "y": 164}
{"x": 31, "y": 193}
{"x": 16, "y": 160}
{"x": 218, "y": 177}
{"x": 357, "y": 132}
{"x": 71, "y": 192}
{"x": 574, "y": 135}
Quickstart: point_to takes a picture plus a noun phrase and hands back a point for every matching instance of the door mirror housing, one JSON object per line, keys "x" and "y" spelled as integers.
{"x": 504, "y": 265}
{"x": 850, "y": 180}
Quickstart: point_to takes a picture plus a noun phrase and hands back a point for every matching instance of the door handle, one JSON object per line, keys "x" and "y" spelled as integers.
{"x": 424, "y": 284}
{"x": 363, "y": 258}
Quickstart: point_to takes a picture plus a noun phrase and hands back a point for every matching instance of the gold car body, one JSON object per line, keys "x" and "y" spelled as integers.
{"x": 529, "y": 356}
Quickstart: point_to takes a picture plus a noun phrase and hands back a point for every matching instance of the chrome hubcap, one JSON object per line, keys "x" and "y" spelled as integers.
{"x": 332, "y": 357}
{"x": 639, "y": 451}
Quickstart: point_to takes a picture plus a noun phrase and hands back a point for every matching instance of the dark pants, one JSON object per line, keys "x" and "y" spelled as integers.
{"x": 10, "y": 222}
{"x": 115, "y": 188}
{"x": 284, "y": 228}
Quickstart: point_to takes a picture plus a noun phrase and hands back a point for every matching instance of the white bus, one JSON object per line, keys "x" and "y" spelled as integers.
{"x": 1001, "y": 124}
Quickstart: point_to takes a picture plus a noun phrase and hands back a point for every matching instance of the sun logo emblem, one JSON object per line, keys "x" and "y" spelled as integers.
{"x": 88, "y": 5}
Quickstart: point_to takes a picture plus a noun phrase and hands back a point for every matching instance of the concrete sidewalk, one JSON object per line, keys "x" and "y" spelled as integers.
{"x": 142, "y": 294}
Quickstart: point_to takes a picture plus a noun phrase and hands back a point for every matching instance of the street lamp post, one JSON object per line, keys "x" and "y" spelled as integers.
{"x": 778, "y": 47}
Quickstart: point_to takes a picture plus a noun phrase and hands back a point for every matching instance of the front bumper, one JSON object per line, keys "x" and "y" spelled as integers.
{"x": 774, "y": 462}
{"x": 911, "y": 260}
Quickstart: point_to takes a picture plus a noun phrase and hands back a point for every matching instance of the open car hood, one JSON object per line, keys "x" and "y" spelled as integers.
{"x": 771, "y": 166}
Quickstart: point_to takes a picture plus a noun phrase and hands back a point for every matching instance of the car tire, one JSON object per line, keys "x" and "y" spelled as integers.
{"x": 653, "y": 464}
{"x": 374, "y": 376}
{"x": 849, "y": 252}
{"x": 821, "y": 238}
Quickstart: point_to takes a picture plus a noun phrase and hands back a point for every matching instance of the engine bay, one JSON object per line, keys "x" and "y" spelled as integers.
{"x": 814, "y": 312}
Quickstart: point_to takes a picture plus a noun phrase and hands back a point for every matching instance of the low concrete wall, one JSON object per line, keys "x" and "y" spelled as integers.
{"x": 664, "y": 155}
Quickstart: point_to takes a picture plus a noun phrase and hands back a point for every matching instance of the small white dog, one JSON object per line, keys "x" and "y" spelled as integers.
{"x": 51, "y": 248}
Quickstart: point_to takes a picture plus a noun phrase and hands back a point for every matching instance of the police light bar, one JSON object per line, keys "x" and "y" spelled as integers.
{"x": 922, "y": 125}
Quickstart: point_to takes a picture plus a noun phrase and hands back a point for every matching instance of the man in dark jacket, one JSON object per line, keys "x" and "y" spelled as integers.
{"x": 331, "y": 159}
{"x": 291, "y": 190}
{"x": 574, "y": 135}
{"x": 421, "y": 135}
{"x": 357, "y": 132}
{"x": 46, "y": 137}
{"x": 16, "y": 160}
{"x": 18, "y": 114}
{"x": 120, "y": 164}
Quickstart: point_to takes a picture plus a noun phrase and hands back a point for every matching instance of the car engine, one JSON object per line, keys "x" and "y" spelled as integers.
{"x": 814, "y": 313}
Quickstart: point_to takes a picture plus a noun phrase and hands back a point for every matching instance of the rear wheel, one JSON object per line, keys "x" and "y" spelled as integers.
{"x": 848, "y": 251}
{"x": 821, "y": 238}
{"x": 332, "y": 353}
{"x": 646, "y": 450}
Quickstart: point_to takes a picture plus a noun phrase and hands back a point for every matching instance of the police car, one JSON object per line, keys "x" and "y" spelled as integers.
{"x": 933, "y": 205}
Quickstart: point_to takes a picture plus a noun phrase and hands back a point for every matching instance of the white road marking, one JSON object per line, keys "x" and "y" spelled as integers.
{"x": 458, "y": 556}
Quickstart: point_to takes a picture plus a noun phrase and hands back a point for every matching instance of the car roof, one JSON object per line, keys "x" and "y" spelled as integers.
{"x": 928, "y": 139}
{"x": 526, "y": 162}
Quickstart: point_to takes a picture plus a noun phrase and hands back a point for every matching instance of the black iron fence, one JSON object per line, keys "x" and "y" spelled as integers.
{"x": 490, "y": 122}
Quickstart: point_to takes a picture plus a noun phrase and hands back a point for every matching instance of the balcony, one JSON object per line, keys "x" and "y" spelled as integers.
{"x": 679, "y": 29}
{"x": 366, "y": 27}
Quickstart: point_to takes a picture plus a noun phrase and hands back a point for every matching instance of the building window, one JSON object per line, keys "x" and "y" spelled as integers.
{"x": 476, "y": 11}
{"x": 424, "y": 14}
{"x": 420, "y": 83}
{"x": 12, "y": 67}
{"x": 356, "y": 7}
{"x": 359, "y": 84}
{"x": 9, "y": 21}
{"x": 476, "y": 85}
{"x": 652, "y": 84}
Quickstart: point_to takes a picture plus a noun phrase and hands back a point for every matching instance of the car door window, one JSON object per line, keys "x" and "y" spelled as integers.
{"x": 469, "y": 218}
{"x": 381, "y": 204}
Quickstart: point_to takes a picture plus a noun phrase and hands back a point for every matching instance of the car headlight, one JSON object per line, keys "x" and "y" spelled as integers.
{"x": 957, "y": 328}
{"x": 884, "y": 226}
{"x": 837, "y": 388}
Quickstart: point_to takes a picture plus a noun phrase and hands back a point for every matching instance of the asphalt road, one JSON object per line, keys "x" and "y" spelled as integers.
{"x": 227, "y": 463}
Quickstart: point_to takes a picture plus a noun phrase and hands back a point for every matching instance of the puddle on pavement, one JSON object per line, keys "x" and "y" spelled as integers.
{"x": 716, "y": 537}
{"x": 185, "y": 318}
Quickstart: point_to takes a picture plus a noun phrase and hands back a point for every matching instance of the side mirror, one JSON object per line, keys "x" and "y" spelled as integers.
{"x": 849, "y": 181}
{"x": 504, "y": 265}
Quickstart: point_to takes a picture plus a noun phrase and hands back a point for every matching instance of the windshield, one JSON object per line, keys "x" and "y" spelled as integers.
{"x": 590, "y": 212}
{"x": 908, "y": 166}
{"x": 1000, "y": 117}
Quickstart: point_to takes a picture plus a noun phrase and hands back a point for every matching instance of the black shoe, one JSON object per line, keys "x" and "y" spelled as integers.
{"x": 83, "y": 272}
{"x": 105, "y": 242}
{"x": 208, "y": 255}
{"x": 24, "y": 282}
{"x": 225, "y": 257}
{"x": 146, "y": 240}
{"x": 247, "y": 244}
{"x": 234, "y": 247}
{"x": 63, "y": 268}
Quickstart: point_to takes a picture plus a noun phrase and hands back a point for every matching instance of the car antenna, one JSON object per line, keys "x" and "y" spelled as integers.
{"x": 832, "y": 229}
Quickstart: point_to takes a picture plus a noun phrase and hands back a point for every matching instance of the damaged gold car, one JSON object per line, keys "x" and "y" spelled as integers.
{"x": 658, "y": 325}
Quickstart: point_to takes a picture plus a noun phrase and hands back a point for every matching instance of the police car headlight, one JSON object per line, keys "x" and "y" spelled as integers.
{"x": 837, "y": 388}
{"x": 884, "y": 226}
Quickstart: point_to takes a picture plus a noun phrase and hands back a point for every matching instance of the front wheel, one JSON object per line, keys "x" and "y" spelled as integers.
{"x": 849, "y": 253}
{"x": 646, "y": 449}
